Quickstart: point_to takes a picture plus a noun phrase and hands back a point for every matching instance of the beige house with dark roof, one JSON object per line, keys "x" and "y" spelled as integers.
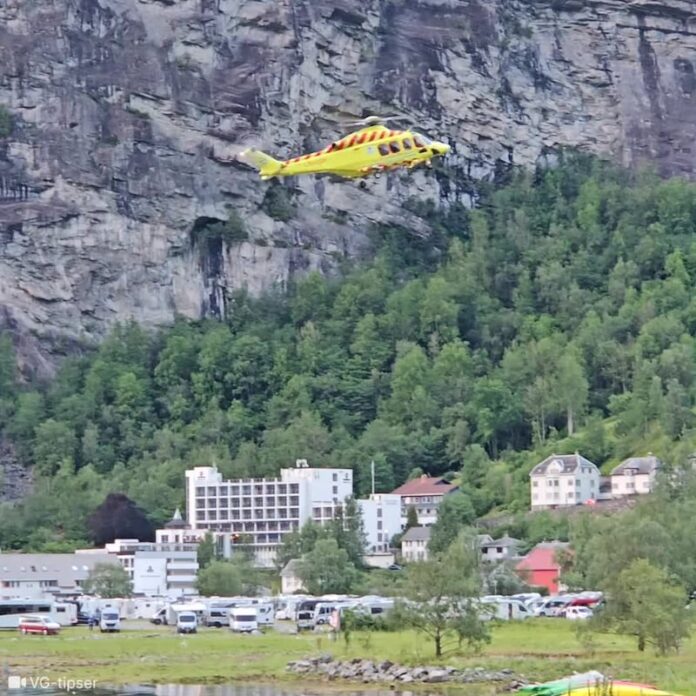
{"x": 563, "y": 480}
{"x": 425, "y": 494}
{"x": 635, "y": 476}
{"x": 414, "y": 544}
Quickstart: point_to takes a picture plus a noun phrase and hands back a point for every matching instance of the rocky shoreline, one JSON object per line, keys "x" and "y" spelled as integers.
{"x": 369, "y": 671}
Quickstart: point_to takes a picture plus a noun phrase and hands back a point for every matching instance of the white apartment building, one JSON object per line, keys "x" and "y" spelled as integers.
{"x": 381, "y": 514}
{"x": 156, "y": 570}
{"x": 635, "y": 476}
{"x": 562, "y": 481}
{"x": 261, "y": 511}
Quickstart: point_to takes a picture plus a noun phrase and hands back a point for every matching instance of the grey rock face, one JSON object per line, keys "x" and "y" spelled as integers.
{"x": 128, "y": 115}
{"x": 15, "y": 479}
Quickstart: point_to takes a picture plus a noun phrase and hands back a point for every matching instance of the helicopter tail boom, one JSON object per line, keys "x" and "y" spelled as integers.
{"x": 268, "y": 166}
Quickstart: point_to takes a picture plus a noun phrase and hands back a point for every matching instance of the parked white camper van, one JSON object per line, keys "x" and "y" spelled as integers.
{"x": 109, "y": 621}
{"x": 244, "y": 619}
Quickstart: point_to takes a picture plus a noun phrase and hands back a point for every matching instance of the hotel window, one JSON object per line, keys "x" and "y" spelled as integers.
{"x": 200, "y": 490}
{"x": 212, "y": 490}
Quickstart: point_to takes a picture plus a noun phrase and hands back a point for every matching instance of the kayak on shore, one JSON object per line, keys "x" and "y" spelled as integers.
{"x": 591, "y": 684}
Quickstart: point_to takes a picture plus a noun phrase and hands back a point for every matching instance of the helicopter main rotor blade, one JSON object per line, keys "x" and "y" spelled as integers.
{"x": 375, "y": 120}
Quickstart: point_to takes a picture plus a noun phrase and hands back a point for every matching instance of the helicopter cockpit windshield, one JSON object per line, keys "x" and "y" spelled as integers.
{"x": 421, "y": 140}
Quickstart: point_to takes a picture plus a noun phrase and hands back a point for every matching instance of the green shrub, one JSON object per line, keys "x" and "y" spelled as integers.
{"x": 5, "y": 122}
{"x": 278, "y": 203}
{"x": 231, "y": 232}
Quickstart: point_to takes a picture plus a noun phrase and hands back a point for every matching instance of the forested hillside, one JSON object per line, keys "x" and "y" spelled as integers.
{"x": 559, "y": 315}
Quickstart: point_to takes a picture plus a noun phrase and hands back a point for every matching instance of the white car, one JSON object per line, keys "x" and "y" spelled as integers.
{"x": 578, "y": 613}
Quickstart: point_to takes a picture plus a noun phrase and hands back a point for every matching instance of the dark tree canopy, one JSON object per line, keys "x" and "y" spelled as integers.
{"x": 118, "y": 517}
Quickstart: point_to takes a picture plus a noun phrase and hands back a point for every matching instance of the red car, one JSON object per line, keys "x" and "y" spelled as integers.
{"x": 38, "y": 624}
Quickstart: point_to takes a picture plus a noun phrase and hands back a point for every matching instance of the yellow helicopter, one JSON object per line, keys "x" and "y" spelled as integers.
{"x": 371, "y": 150}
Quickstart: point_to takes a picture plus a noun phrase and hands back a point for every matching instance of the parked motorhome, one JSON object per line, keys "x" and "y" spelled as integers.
{"x": 110, "y": 621}
{"x": 197, "y": 608}
{"x": 305, "y": 614}
{"x": 186, "y": 622}
{"x": 265, "y": 613}
{"x": 244, "y": 619}
{"x": 504, "y": 609}
{"x": 11, "y": 610}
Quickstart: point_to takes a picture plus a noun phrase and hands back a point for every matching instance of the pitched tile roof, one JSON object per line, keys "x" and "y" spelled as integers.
{"x": 542, "y": 556}
{"x": 417, "y": 534}
{"x": 425, "y": 485}
{"x": 638, "y": 465}
{"x": 503, "y": 541}
{"x": 561, "y": 464}
{"x": 65, "y": 568}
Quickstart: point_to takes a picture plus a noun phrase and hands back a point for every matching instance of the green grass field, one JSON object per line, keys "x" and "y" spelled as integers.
{"x": 537, "y": 650}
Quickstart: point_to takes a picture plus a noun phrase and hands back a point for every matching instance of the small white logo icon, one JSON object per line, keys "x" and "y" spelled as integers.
{"x": 16, "y": 682}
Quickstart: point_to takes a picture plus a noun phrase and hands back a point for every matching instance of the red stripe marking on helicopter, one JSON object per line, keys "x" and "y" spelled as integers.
{"x": 373, "y": 136}
{"x": 352, "y": 141}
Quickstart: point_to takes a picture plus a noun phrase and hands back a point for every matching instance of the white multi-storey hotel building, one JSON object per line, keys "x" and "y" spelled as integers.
{"x": 262, "y": 511}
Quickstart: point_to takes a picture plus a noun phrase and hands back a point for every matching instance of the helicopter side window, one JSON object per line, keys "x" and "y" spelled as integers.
{"x": 418, "y": 141}
{"x": 383, "y": 149}
{"x": 394, "y": 147}
{"x": 406, "y": 143}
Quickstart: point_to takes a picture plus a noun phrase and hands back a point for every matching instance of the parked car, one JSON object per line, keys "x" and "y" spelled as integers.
{"x": 186, "y": 622}
{"x": 38, "y": 624}
{"x": 217, "y": 617}
{"x": 578, "y": 613}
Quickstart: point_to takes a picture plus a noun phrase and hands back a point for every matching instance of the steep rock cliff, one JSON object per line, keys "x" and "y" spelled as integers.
{"x": 126, "y": 116}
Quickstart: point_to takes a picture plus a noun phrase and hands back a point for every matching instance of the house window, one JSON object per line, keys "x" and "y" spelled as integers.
{"x": 334, "y": 477}
{"x": 335, "y": 490}
{"x": 535, "y": 484}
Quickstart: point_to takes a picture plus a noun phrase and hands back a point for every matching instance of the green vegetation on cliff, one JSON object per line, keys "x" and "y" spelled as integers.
{"x": 558, "y": 316}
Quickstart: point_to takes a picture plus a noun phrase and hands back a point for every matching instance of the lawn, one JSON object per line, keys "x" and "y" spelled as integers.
{"x": 540, "y": 649}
